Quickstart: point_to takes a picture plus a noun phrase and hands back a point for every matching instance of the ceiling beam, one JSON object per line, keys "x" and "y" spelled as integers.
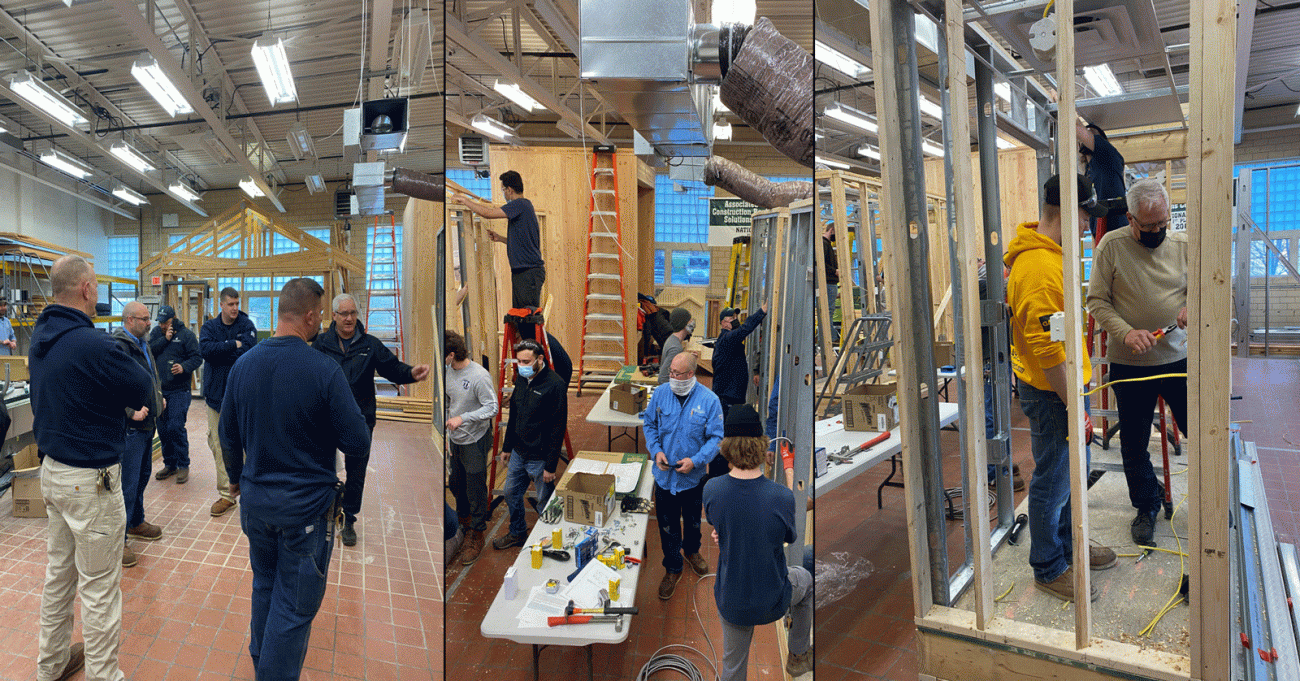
{"x": 381, "y": 27}
{"x": 139, "y": 27}
{"x": 1245, "y": 31}
{"x": 457, "y": 33}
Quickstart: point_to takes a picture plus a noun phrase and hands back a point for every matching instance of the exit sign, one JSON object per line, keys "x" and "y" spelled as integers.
{"x": 156, "y": 281}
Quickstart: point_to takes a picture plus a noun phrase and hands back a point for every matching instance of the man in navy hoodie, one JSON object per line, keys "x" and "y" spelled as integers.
{"x": 82, "y": 385}
{"x": 222, "y": 341}
{"x": 287, "y": 409}
{"x": 731, "y": 375}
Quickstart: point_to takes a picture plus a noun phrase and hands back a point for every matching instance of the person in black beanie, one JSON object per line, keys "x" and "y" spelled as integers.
{"x": 682, "y": 326}
{"x": 753, "y": 520}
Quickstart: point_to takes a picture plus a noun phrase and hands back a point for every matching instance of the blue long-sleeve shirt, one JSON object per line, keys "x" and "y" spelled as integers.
{"x": 689, "y": 430}
{"x": 730, "y": 368}
{"x": 287, "y": 408}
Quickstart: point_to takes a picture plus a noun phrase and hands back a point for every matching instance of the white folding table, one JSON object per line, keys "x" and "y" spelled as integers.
{"x": 601, "y": 413}
{"x": 830, "y": 433}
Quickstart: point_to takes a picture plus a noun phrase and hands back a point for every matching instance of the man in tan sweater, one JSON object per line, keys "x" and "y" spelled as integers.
{"x": 1138, "y": 288}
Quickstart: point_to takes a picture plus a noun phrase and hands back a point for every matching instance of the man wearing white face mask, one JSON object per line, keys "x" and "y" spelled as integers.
{"x": 539, "y": 410}
{"x": 683, "y": 427}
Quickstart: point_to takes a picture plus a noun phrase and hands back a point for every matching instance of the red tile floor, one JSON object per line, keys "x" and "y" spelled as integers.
{"x": 186, "y": 605}
{"x": 470, "y": 592}
{"x": 869, "y": 633}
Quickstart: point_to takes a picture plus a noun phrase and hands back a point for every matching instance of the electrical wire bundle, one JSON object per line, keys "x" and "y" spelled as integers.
{"x": 670, "y": 662}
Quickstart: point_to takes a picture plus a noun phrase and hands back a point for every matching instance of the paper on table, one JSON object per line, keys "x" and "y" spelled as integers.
{"x": 581, "y": 465}
{"x": 584, "y": 590}
{"x": 541, "y": 605}
{"x": 626, "y": 476}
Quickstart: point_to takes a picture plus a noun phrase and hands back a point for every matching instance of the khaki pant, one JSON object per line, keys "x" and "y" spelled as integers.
{"x": 86, "y": 526}
{"x": 218, "y": 455}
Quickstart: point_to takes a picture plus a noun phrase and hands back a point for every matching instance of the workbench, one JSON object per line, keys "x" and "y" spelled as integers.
{"x": 830, "y": 433}
{"x": 601, "y": 413}
{"x": 502, "y": 621}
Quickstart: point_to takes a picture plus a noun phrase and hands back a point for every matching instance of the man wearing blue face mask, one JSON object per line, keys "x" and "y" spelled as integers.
{"x": 1139, "y": 287}
{"x": 539, "y": 410}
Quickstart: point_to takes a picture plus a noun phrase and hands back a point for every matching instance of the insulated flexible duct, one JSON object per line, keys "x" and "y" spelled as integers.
{"x": 766, "y": 84}
{"x": 419, "y": 185}
{"x": 752, "y": 187}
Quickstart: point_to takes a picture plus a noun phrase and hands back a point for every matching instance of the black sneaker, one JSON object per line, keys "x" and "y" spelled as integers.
{"x": 508, "y": 541}
{"x": 1143, "y": 528}
{"x": 348, "y": 535}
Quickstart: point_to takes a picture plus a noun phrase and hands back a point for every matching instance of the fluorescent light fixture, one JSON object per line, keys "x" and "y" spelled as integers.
{"x": 129, "y": 195}
{"x": 493, "y": 128}
{"x": 183, "y": 192}
{"x": 733, "y": 12}
{"x": 131, "y": 157}
{"x": 217, "y": 149}
{"x": 1102, "y": 80}
{"x": 718, "y": 106}
{"x": 273, "y": 66}
{"x": 159, "y": 86}
{"x": 25, "y": 84}
{"x": 569, "y": 129}
{"x": 721, "y": 130}
{"x": 927, "y": 33}
{"x": 515, "y": 94}
{"x": 1003, "y": 91}
{"x": 250, "y": 187}
{"x": 68, "y": 164}
{"x": 929, "y": 108}
{"x": 850, "y": 117}
{"x": 1005, "y": 144}
{"x": 315, "y": 183}
{"x": 300, "y": 142}
{"x": 831, "y": 163}
{"x": 869, "y": 151}
{"x": 1297, "y": 111}
{"x": 931, "y": 148}
{"x": 839, "y": 61}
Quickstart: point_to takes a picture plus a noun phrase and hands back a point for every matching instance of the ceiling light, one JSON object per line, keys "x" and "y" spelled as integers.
{"x": 1005, "y": 143}
{"x": 721, "y": 130}
{"x": 273, "y": 66}
{"x": 931, "y": 148}
{"x": 869, "y": 152}
{"x": 845, "y": 115}
{"x": 839, "y": 61}
{"x": 183, "y": 192}
{"x": 927, "y": 33}
{"x": 1003, "y": 91}
{"x": 1102, "y": 80}
{"x": 493, "y": 128}
{"x": 718, "y": 106}
{"x": 25, "y": 84}
{"x": 929, "y": 108}
{"x": 129, "y": 195}
{"x": 159, "y": 86}
{"x": 68, "y": 164}
{"x": 315, "y": 183}
{"x": 733, "y": 12}
{"x": 217, "y": 149}
{"x": 518, "y": 96}
{"x": 832, "y": 163}
{"x": 131, "y": 157}
{"x": 300, "y": 142}
{"x": 250, "y": 187}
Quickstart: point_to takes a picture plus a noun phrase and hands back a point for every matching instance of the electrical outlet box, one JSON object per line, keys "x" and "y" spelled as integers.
{"x": 1057, "y": 322}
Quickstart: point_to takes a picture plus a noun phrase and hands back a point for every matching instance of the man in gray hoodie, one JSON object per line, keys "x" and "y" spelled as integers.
{"x": 471, "y": 404}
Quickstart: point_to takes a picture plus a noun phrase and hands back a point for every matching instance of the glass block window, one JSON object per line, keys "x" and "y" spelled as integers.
{"x": 233, "y": 282}
{"x": 281, "y": 244}
{"x": 690, "y": 268}
{"x": 259, "y": 309}
{"x": 123, "y": 258}
{"x": 257, "y": 284}
{"x": 481, "y": 186}
{"x": 383, "y": 264}
{"x": 659, "y": 266}
{"x": 235, "y": 251}
{"x": 173, "y": 237}
{"x": 681, "y": 216}
{"x": 322, "y": 233}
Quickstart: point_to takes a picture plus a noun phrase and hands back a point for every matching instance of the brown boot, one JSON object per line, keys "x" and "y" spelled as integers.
{"x": 798, "y": 665}
{"x": 1101, "y": 558}
{"x": 698, "y": 564}
{"x": 220, "y": 506}
{"x": 473, "y": 546}
{"x": 1063, "y": 586}
{"x": 76, "y": 660}
{"x": 669, "y": 585}
{"x": 128, "y": 556}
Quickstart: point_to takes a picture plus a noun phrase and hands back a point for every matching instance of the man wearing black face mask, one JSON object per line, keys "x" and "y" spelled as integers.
{"x": 1138, "y": 287}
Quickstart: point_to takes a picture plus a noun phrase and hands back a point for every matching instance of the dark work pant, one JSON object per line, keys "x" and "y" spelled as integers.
{"x": 526, "y": 287}
{"x": 468, "y": 481}
{"x": 355, "y": 466}
{"x": 171, "y": 429}
{"x": 137, "y": 464}
{"x": 1136, "y": 403}
{"x": 679, "y": 523}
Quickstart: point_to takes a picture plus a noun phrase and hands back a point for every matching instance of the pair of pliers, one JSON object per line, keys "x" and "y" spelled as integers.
{"x": 1165, "y": 330}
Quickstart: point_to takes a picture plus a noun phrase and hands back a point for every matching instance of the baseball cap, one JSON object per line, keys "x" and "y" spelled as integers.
{"x": 728, "y": 312}
{"x": 165, "y": 312}
{"x": 1087, "y": 197}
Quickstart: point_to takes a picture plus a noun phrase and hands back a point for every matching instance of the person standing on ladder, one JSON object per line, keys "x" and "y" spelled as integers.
{"x": 730, "y": 368}
{"x": 523, "y": 239}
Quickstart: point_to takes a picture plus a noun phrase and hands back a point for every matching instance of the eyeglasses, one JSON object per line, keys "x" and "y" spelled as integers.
{"x": 680, "y": 374}
{"x": 347, "y": 315}
{"x": 1151, "y": 227}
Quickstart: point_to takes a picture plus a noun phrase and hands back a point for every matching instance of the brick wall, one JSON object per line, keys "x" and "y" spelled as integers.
{"x": 1268, "y": 146}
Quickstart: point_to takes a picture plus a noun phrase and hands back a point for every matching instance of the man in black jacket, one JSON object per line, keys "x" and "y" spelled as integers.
{"x": 361, "y": 355}
{"x": 137, "y": 460}
{"x": 539, "y": 413}
{"x": 222, "y": 340}
{"x": 176, "y": 350}
{"x": 81, "y": 383}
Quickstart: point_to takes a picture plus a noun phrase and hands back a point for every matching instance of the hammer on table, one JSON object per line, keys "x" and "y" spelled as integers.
{"x": 586, "y": 619}
{"x": 604, "y": 609}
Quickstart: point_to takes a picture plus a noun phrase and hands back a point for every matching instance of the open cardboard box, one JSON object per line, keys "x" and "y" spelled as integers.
{"x": 26, "y": 489}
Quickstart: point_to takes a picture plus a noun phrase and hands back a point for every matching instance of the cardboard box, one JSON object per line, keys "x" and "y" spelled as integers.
{"x": 871, "y": 408}
{"x": 945, "y": 354}
{"x": 588, "y": 498}
{"x": 26, "y": 458}
{"x": 17, "y": 368}
{"x": 628, "y": 398}
{"x": 26, "y": 489}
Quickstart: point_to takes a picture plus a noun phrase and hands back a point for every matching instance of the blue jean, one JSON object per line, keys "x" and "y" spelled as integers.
{"x": 1051, "y": 548}
{"x": 289, "y": 565}
{"x": 517, "y": 479}
{"x": 137, "y": 463}
{"x": 171, "y": 429}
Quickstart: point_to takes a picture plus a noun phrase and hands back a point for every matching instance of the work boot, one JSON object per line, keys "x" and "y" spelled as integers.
{"x": 509, "y": 541}
{"x": 182, "y": 476}
{"x": 220, "y": 506}
{"x": 473, "y": 546}
{"x": 76, "y": 660}
{"x": 1101, "y": 558}
{"x": 698, "y": 564}
{"x": 166, "y": 472}
{"x": 349, "y": 534}
{"x": 128, "y": 556}
{"x": 669, "y": 585}
{"x": 146, "y": 531}
{"x": 1143, "y": 529}
{"x": 1063, "y": 586}
{"x": 798, "y": 665}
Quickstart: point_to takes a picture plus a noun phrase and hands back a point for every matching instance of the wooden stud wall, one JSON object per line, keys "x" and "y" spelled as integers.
{"x": 1017, "y": 187}
{"x": 420, "y": 224}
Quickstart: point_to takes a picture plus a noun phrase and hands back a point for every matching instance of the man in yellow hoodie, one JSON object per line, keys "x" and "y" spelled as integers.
{"x": 1035, "y": 291}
